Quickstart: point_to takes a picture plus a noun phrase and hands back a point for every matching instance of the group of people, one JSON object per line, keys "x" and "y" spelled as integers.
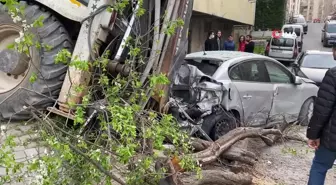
{"x": 214, "y": 42}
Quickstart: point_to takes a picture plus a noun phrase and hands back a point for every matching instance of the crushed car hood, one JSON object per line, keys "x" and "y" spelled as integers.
{"x": 194, "y": 87}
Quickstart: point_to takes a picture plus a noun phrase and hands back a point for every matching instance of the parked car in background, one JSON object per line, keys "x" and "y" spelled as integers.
{"x": 299, "y": 19}
{"x": 313, "y": 65}
{"x": 328, "y": 36}
{"x": 316, "y": 20}
{"x": 285, "y": 48}
{"x": 297, "y": 29}
{"x": 220, "y": 90}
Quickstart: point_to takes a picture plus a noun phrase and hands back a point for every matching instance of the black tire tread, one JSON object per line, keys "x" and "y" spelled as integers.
{"x": 303, "y": 115}
{"x": 50, "y": 80}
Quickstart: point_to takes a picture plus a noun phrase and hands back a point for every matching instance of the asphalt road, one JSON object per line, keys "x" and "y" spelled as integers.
{"x": 312, "y": 41}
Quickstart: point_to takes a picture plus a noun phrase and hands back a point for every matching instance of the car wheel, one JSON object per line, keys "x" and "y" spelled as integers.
{"x": 325, "y": 44}
{"x": 306, "y": 112}
{"x": 223, "y": 124}
{"x": 18, "y": 94}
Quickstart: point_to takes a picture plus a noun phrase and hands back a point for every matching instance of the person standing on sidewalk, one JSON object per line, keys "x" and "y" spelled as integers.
{"x": 229, "y": 44}
{"x": 210, "y": 41}
{"x": 219, "y": 42}
{"x": 321, "y": 130}
{"x": 242, "y": 43}
{"x": 249, "y": 47}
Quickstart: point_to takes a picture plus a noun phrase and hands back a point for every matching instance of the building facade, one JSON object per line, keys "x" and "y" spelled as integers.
{"x": 216, "y": 15}
{"x": 327, "y": 7}
{"x": 310, "y": 9}
{"x": 293, "y": 7}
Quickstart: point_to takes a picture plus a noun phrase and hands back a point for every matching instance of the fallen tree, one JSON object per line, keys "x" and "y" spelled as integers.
{"x": 211, "y": 155}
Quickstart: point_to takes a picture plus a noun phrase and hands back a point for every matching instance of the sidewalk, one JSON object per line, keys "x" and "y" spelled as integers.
{"x": 27, "y": 145}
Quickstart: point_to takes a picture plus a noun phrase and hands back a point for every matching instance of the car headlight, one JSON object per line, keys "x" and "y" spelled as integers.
{"x": 327, "y": 35}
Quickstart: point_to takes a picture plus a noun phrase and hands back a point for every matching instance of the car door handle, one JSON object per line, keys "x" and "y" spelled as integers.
{"x": 247, "y": 96}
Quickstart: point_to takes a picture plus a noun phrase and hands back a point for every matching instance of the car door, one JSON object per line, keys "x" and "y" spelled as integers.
{"x": 287, "y": 100}
{"x": 252, "y": 83}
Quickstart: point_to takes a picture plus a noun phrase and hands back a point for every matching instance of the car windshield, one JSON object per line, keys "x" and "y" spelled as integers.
{"x": 291, "y": 29}
{"x": 331, "y": 28}
{"x": 208, "y": 67}
{"x": 299, "y": 20}
{"x": 283, "y": 42}
{"x": 320, "y": 61}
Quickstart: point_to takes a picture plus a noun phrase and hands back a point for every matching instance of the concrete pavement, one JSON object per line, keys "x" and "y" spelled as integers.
{"x": 312, "y": 41}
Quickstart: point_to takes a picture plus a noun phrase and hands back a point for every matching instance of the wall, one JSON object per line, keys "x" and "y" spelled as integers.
{"x": 242, "y": 11}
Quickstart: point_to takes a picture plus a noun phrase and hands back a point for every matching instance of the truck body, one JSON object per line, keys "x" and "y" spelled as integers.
{"x": 78, "y": 26}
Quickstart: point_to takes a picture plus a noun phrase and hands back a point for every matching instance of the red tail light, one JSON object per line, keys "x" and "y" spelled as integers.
{"x": 267, "y": 49}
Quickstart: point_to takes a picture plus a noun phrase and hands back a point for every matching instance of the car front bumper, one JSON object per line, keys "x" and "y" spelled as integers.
{"x": 330, "y": 41}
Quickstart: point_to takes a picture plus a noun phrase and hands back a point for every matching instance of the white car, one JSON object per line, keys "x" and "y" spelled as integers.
{"x": 298, "y": 30}
{"x": 284, "y": 48}
{"x": 220, "y": 90}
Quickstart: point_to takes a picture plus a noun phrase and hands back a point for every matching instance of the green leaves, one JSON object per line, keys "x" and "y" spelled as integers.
{"x": 270, "y": 14}
{"x": 38, "y": 22}
{"x": 123, "y": 134}
{"x": 63, "y": 57}
{"x": 33, "y": 77}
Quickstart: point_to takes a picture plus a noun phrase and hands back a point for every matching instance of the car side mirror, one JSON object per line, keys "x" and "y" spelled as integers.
{"x": 298, "y": 80}
{"x": 323, "y": 30}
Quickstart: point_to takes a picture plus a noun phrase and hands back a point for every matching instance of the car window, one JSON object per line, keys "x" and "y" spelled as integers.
{"x": 299, "y": 20}
{"x": 283, "y": 42}
{"x": 291, "y": 30}
{"x": 208, "y": 67}
{"x": 277, "y": 74}
{"x": 318, "y": 61}
{"x": 297, "y": 31}
{"x": 235, "y": 74}
{"x": 331, "y": 28}
{"x": 253, "y": 71}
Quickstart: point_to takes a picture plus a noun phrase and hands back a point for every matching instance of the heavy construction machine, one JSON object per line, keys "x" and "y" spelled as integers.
{"x": 80, "y": 26}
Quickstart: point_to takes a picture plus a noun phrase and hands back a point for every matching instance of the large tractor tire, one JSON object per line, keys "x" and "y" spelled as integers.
{"x": 19, "y": 95}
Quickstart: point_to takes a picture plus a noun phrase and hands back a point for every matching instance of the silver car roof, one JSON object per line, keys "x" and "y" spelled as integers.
{"x": 318, "y": 52}
{"x": 221, "y": 55}
{"x": 229, "y": 58}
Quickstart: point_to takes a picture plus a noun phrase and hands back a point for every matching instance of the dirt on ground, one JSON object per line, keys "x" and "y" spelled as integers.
{"x": 286, "y": 163}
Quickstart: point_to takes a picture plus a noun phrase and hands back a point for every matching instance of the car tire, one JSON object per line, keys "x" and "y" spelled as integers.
{"x": 224, "y": 122}
{"x": 16, "y": 103}
{"x": 325, "y": 44}
{"x": 306, "y": 112}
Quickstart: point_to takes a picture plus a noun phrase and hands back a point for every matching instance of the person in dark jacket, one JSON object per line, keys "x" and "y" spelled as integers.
{"x": 229, "y": 45}
{"x": 210, "y": 41}
{"x": 218, "y": 41}
{"x": 249, "y": 46}
{"x": 321, "y": 130}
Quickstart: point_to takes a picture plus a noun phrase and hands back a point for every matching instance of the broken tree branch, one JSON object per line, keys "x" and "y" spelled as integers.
{"x": 217, "y": 177}
{"x": 217, "y": 148}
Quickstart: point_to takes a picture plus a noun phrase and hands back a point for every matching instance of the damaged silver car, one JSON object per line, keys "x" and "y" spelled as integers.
{"x": 215, "y": 92}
